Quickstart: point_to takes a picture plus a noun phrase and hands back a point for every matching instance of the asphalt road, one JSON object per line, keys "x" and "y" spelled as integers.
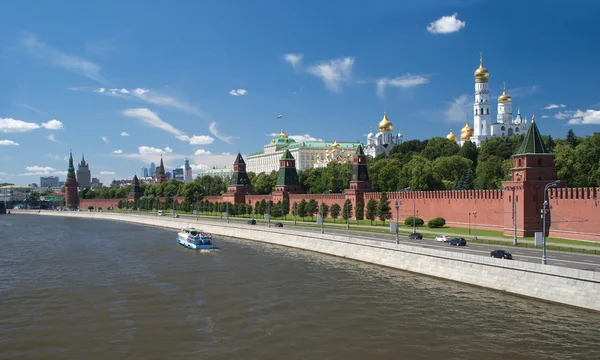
{"x": 556, "y": 258}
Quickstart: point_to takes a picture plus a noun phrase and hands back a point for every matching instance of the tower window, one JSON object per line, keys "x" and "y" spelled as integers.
{"x": 540, "y": 162}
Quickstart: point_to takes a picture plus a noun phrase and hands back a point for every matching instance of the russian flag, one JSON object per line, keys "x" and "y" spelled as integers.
{"x": 279, "y": 116}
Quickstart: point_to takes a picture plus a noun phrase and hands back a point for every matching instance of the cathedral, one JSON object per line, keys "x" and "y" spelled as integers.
{"x": 384, "y": 141}
{"x": 482, "y": 128}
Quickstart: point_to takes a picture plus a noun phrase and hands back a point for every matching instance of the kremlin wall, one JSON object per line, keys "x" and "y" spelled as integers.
{"x": 574, "y": 212}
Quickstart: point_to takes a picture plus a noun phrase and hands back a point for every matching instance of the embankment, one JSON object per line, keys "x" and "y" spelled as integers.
{"x": 574, "y": 287}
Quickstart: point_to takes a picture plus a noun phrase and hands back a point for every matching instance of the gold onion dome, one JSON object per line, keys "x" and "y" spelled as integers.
{"x": 504, "y": 97}
{"x": 466, "y": 132}
{"x": 385, "y": 124}
{"x": 282, "y": 135}
{"x": 451, "y": 136}
{"x": 335, "y": 145}
{"x": 481, "y": 74}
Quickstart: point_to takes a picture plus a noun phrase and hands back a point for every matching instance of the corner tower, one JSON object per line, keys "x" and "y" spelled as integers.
{"x": 239, "y": 184}
{"x": 71, "y": 196}
{"x": 481, "y": 106}
{"x": 533, "y": 168}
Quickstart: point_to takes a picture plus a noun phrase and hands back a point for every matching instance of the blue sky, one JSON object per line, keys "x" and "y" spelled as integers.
{"x": 204, "y": 79}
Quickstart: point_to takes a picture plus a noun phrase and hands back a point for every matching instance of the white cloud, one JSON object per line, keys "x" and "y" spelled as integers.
{"x": 226, "y": 153}
{"x": 124, "y": 134}
{"x": 446, "y": 25}
{"x": 554, "y": 106}
{"x": 564, "y": 115}
{"x": 52, "y": 138}
{"x": 202, "y": 152}
{"x": 65, "y": 61}
{"x": 56, "y": 156}
{"x": 545, "y": 116}
{"x": 298, "y": 138}
{"x": 152, "y": 119}
{"x": 152, "y": 150}
{"x": 168, "y": 149}
{"x": 42, "y": 170}
{"x": 34, "y": 109}
{"x": 10, "y": 125}
{"x": 293, "y": 59}
{"x": 53, "y": 125}
{"x": 404, "y": 81}
{"x": 100, "y": 90}
{"x": 334, "y": 72}
{"x": 119, "y": 151}
{"x": 105, "y": 139}
{"x": 238, "y": 92}
{"x": 201, "y": 140}
{"x": 213, "y": 130}
{"x": 458, "y": 109}
{"x": 149, "y": 96}
{"x": 588, "y": 117}
{"x": 198, "y": 167}
{"x": 107, "y": 172}
{"x": 8, "y": 143}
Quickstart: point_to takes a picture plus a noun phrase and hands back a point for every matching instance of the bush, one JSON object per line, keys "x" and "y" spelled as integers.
{"x": 409, "y": 221}
{"x": 90, "y": 208}
{"x": 436, "y": 223}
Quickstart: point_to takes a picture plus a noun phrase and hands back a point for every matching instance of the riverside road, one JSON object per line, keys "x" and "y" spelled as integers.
{"x": 532, "y": 255}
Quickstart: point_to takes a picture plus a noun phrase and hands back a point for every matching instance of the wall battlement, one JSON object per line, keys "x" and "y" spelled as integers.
{"x": 573, "y": 193}
{"x": 442, "y": 194}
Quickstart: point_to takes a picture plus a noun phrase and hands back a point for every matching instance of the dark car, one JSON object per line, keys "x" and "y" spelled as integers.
{"x": 279, "y": 225}
{"x": 501, "y": 254}
{"x": 415, "y": 236}
{"x": 458, "y": 242}
{"x": 251, "y": 222}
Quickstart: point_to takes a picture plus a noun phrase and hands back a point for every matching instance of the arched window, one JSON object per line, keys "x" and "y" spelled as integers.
{"x": 520, "y": 163}
{"x": 502, "y": 128}
{"x": 516, "y": 129}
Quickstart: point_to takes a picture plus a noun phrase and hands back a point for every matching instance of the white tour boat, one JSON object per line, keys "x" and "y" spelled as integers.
{"x": 196, "y": 239}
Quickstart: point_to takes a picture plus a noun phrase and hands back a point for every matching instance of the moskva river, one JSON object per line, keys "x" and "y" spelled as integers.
{"x": 88, "y": 289}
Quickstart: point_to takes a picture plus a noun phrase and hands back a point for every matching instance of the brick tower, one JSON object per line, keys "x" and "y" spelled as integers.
{"x": 136, "y": 191}
{"x": 161, "y": 175}
{"x": 240, "y": 184}
{"x": 360, "y": 178}
{"x": 71, "y": 195}
{"x": 287, "y": 178}
{"x": 533, "y": 168}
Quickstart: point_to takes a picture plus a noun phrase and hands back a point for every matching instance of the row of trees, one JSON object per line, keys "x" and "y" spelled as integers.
{"x": 434, "y": 164}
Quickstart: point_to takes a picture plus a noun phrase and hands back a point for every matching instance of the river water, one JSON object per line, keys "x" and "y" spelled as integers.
{"x": 89, "y": 289}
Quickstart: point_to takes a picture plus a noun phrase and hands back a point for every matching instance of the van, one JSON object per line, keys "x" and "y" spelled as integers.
{"x": 160, "y": 213}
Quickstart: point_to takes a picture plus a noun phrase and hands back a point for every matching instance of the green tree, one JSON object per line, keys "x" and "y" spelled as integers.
{"x": 438, "y": 147}
{"x": 324, "y": 210}
{"x": 383, "y": 208}
{"x": 347, "y": 210}
{"x": 285, "y": 207}
{"x": 359, "y": 212}
{"x": 302, "y": 209}
{"x": 335, "y": 211}
{"x": 371, "y": 210}
{"x": 313, "y": 207}
{"x": 469, "y": 151}
{"x": 572, "y": 139}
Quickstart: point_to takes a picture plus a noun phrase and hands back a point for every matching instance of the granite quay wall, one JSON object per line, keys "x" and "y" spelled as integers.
{"x": 574, "y": 287}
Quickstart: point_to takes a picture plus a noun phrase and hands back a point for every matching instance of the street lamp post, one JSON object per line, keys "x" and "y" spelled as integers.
{"x": 544, "y": 211}
{"x": 323, "y": 210}
{"x": 227, "y": 211}
{"x": 347, "y": 214}
{"x": 474, "y": 220}
{"x": 397, "y": 204}
{"x": 269, "y": 213}
{"x": 295, "y": 211}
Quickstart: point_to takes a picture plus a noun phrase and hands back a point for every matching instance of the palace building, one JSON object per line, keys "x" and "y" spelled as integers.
{"x": 307, "y": 154}
{"x": 483, "y": 128}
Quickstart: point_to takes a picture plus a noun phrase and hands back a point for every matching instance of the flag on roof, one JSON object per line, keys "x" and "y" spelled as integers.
{"x": 279, "y": 116}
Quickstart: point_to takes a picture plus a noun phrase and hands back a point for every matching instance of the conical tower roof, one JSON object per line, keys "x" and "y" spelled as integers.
{"x": 359, "y": 150}
{"x": 532, "y": 143}
{"x": 71, "y": 172}
{"x": 239, "y": 159}
{"x": 287, "y": 155}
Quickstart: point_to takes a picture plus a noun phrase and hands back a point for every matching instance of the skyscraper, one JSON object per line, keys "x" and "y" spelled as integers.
{"x": 187, "y": 175}
{"x": 84, "y": 176}
{"x": 178, "y": 174}
{"x": 152, "y": 169}
{"x": 144, "y": 172}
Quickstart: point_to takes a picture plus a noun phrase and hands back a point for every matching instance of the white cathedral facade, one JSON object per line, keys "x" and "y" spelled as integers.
{"x": 483, "y": 128}
{"x": 384, "y": 141}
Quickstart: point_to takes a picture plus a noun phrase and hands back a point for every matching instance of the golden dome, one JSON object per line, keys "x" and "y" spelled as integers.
{"x": 385, "y": 124}
{"x": 335, "y": 145}
{"x": 481, "y": 74}
{"x": 282, "y": 135}
{"x": 451, "y": 136}
{"x": 504, "y": 97}
{"x": 466, "y": 132}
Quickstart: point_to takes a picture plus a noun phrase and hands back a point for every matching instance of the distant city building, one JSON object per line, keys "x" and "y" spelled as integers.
{"x": 61, "y": 183}
{"x": 33, "y": 185}
{"x": 96, "y": 184}
{"x": 148, "y": 180}
{"x": 152, "y": 170}
{"x": 188, "y": 177}
{"x": 14, "y": 194}
{"x": 49, "y": 181}
{"x": 144, "y": 172}
{"x": 224, "y": 173}
{"x": 178, "y": 174}
{"x": 120, "y": 183}
{"x": 306, "y": 153}
{"x": 84, "y": 176}
{"x": 168, "y": 175}
{"x": 161, "y": 175}
{"x": 384, "y": 141}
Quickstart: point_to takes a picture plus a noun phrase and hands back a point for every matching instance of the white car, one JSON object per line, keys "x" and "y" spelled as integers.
{"x": 442, "y": 238}
{"x": 160, "y": 213}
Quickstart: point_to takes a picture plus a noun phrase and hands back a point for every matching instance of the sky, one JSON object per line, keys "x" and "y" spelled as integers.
{"x": 126, "y": 81}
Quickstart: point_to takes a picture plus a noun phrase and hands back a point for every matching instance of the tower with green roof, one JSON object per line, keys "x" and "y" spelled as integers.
{"x": 239, "y": 185}
{"x": 287, "y": 178}
{"x": 533, "y": 168}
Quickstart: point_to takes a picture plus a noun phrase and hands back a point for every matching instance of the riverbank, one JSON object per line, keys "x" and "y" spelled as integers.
{"x": 580, "y": 288}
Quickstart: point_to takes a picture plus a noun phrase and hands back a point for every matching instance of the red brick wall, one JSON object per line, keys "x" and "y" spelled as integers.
{"x": 99, "y": 203}
{"x": 575, "y": 213}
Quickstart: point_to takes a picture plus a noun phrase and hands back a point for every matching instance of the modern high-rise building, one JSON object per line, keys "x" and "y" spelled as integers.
{"x": 49, "y": 181}
{"x": 152, "y": 170}
{"x": 178, "y": 174}
{"x": 168, "y": 175}
{"x": 144, "y": 172}
{"x": 84, "y": 176}
{"x": 187, "y": 175}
